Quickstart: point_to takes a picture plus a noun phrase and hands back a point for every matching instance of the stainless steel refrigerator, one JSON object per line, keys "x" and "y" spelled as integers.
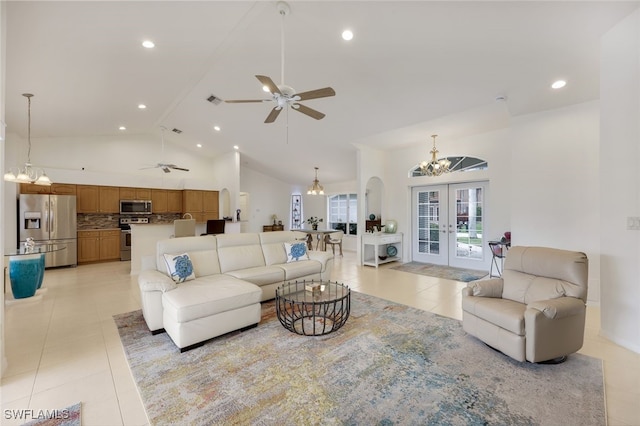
{"x": 50, "y": 219}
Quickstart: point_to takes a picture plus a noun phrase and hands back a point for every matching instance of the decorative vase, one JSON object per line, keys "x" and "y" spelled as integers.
{"x": 372, "y": 216}
{"x": 391, "y": 226}
{"x": 314, "y": 226}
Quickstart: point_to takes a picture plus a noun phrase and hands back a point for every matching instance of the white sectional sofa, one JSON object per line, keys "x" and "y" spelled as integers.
{"x": 233, "y": 274}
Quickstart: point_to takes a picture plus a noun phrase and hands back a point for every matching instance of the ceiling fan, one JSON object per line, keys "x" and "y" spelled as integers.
{"x": 285, "y": 96}
{"x": 166, "y": 167}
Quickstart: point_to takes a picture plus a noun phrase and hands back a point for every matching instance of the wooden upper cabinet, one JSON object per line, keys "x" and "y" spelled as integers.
{"x": 109, "y": 199}
{"x": 135, "y": 193}
{"x": 88, "y": 198}
{"x": 191, "y": 201}
{"x": 56, "y": 188}
{"x": 202, "y": 205}
{"x": 210, "y": 202}
{"x": 159, "y": 200}
{"x": 174, "y": 201}
{"x": 97, "y": 199}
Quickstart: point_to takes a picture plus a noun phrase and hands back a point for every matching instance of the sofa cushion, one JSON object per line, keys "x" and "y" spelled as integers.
{"x": 504, "y": 313}
{"x": 179, "y": 267}
{"x": 188, "y": 245}
{"x": 208, "y": 296}
{"x": 296, "y": 251}
{"x": 261, "y": 275}
{"x": 273, "y": 248}
{"x": 301, "y": 269}
{"x": 239, "y": 251}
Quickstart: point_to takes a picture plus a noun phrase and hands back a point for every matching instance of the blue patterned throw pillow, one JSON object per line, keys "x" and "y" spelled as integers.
{"x": 296, "y": 251}
{"x": 180, "y": 267}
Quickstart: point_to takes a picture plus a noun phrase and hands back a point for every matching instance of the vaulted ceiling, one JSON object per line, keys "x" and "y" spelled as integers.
{"x": 412, "y": 69}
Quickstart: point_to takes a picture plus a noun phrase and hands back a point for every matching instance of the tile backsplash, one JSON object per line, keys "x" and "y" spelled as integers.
{"x": 106, "y": 221}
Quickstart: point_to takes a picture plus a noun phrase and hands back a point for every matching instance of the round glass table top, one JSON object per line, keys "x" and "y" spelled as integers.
{"x": 36, "y": 249}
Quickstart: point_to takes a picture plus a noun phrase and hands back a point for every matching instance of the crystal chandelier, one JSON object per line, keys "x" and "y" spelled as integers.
{"x": 28, "y": 174}
{"x": 316, "y": 188}
{"x": 435, "y": 167}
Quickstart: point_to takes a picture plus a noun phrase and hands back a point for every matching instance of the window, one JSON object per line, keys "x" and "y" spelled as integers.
{"x": 458, "y": 164}
{"x": 343, "y": 213}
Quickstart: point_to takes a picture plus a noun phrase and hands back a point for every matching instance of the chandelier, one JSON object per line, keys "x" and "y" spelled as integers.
{"x": 28, "y": 174}
{"x": 316, "y": 188}
{"x": 435, "y": 167}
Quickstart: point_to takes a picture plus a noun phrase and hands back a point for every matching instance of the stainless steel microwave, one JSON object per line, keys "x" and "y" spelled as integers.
{"x": 135, "y": 207}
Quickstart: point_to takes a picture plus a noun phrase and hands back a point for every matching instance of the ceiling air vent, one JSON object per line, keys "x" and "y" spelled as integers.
{"x": 178, "y": 131}
{"x": 214, "y": 100}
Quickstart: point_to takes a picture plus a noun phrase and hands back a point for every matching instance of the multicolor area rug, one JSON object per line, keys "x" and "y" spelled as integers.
{"x": 448, "y": 272}
{"x": 389, "y": 364}
{"x": 70, "y": 416}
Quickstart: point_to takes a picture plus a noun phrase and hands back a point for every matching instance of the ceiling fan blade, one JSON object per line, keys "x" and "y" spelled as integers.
{"x": 315, "y": 94}
{"x": 273, "y": 115}
{"x": 179, "y": 168}
{"x": 245, "y": 101}
{"x": 308, "y": 111}
{"x": 165, "y": 169}
{"x": 266, "y": 81}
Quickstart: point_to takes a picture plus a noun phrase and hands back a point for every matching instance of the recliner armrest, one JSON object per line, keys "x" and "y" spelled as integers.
{"x": 484, "y": 288}
{"x": 561, "y": 307}
{"x": 152, "y": 280}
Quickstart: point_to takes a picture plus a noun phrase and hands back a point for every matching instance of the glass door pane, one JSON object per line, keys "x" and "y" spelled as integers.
{"x": 430, "y": 219}
{"x": 467, "y": 212}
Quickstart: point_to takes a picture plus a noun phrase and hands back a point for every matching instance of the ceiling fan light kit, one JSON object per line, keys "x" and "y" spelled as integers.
{"x": 28, "y": 174}
{"x": 283, "y": 95}
{"x": 435, "y": 167}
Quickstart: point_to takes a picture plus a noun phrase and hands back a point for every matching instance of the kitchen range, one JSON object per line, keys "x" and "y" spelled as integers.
{"x": 125, "y": 238}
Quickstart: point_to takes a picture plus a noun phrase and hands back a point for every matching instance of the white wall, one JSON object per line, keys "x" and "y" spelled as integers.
{"x": 494, "y": 147}
{"x": 226, "y": 174}
{"x": 267, "y": 196}
{"x": 3, "y": 359}
{"x": 555, "y": 198}
{"x": 620, "y": 182}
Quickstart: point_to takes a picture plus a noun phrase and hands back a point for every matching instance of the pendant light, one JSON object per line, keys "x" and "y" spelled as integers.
{"x": 316, "y": 188}
{"x": 28, "y": 174}
{"x": 435, "y": 167}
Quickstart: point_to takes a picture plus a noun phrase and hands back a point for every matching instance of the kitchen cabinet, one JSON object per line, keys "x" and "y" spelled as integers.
{"x": 98, "y": 245}
{"x": 135, "y": 193}
{"x": 202, "y": 205}
{"x": 375, "y": 248}
{"x": 159, "y": 201}
{"x": 174, "y": 201}
{"x": 97, "y": 199}
{"x": 56, "y": 188}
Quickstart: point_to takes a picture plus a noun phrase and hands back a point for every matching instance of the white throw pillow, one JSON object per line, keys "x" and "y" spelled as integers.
{"x": 180, "y": 267}
{"x": 296, "y": 251}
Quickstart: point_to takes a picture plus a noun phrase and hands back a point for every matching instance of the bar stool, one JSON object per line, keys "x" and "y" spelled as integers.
{"x": 498, "y": 251}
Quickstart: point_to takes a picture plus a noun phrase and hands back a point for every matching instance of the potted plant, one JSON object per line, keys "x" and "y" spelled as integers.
{"x": 313, "y": 221}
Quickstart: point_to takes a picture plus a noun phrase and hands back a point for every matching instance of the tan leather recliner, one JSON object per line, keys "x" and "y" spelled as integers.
{"x": 536, "y": 311}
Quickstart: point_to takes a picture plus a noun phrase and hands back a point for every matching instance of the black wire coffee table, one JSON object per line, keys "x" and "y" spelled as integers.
{"x": 313, "y": 308}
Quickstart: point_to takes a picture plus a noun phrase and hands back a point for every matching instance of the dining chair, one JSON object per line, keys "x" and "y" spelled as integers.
{"x": 334, "y": 239}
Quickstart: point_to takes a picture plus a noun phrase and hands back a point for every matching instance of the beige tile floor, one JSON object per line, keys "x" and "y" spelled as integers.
{"x": 65, "y": 348}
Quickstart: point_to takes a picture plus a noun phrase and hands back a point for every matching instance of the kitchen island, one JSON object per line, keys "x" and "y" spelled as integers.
{"x": 145, "y": 237}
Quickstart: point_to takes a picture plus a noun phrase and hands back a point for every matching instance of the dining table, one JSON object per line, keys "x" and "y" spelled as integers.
{"x": 321, "y": 233}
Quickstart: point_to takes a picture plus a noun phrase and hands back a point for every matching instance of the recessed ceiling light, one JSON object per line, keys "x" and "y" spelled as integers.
{"x": 142, "y": 106}
{"x": 558, "y": 84}
{"x": 199, "y": 145}
{"x": 236, "y": 147}
{"x": 122, "y": 128}
{"x": 148, "y": 44}
{"x": 216, "y": 128}
{"x": 347, "y": 35}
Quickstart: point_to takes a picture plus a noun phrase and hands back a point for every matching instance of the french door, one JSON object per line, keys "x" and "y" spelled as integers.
{"x": 448, "y": 224}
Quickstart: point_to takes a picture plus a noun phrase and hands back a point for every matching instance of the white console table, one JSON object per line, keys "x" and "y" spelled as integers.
{"x": 375, "y": 245}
